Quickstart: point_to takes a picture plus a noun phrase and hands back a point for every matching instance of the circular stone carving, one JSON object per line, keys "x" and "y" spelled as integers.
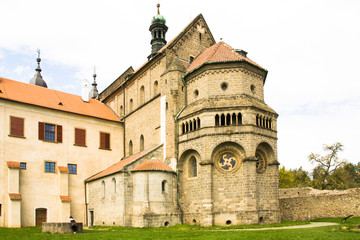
{"x": 228, "y": 159}
{"x": 261, "y": 163}
{"x": 227, "y": 162}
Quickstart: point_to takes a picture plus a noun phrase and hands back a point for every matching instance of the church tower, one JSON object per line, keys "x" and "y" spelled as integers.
{"x": 37, "y": 79}
{"x": 158, "y": 30}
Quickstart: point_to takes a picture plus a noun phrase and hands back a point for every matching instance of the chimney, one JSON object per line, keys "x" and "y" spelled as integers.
{"x": 85, "y": 91}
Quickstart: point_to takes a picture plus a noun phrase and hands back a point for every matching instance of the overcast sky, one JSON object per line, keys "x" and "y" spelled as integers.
{"x": 310, "y": 48}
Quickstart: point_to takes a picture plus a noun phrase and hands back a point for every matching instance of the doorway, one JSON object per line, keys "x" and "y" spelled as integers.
{"x": 40, "y": 216}
{"x": 91, "y": 218}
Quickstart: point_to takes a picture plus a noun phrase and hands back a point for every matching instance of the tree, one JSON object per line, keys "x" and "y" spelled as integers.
{"x": 293, "y": 178}
{"x": 323, "y": 177}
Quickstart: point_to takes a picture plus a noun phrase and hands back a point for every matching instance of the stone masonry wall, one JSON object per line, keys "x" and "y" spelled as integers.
{"x": 307, "y": 203}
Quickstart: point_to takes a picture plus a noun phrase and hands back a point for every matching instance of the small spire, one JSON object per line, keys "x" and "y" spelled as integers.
{"x": 37, "y": 79}
{"x": 94, "y": 94}
{"x": 158, "y": 10}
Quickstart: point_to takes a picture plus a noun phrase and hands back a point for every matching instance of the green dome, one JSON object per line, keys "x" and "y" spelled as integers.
{"x": 158, "y": 19}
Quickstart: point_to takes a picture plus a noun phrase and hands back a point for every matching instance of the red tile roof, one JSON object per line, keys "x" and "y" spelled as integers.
{"x": 219, "y": 52}
{"x": 117, "y": 167}
{"x": 153, "y": 165}
{"x": 13, "y": 164}
{"x": 63, "y": 169}
{"x": 49, "y": 98}
{"x": 65, "y": 198}
{"x": 15, "y": 196}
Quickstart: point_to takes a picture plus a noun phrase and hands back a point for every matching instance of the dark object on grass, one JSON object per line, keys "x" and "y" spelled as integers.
{"x": 345, "y": 218}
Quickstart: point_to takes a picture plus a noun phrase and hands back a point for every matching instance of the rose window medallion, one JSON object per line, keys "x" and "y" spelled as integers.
{"x": 227, "y": 162}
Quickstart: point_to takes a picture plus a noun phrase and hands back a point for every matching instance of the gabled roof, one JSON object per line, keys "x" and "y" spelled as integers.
{"x": 185, "y": 30}
{"x": 43, "y": 97}
{"x": 104, "y": 94}
{"x": 153, "y": 165}
{"x": 219, "y": 52}
{"x": 119, "y": 166}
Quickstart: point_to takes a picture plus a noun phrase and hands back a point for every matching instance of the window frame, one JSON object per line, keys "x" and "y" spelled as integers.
{"x": 23, "y": 164}
{"x": 84, "y": 137}
{"x": 50, "y": 168}
{"x": 104, "y": 146}
{"x": 72, "y": 168}
{"x": 14, "y": 133}
{"x": 58, "y": 136}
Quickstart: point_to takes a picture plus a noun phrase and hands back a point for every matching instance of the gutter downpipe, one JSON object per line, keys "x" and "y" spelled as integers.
{"x": 177, "y": 151}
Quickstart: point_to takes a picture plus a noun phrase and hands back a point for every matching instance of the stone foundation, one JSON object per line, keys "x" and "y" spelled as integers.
{"x": 60, "y": 227}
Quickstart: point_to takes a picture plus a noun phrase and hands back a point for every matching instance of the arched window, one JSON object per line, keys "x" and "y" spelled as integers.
{"x": 113, "y": 181}
{"x": 141, "y": 142}
{"x": 233, "y": 119}
{"x": 228, "y": 119}
{"x": 198, "y": 123}
{"x": 194, "y": 121}
{"x": 270, "y": 123}
{"x": 183, "y": 128}
{"x": 103, "y": 189}
{"x": 156, "y": 88}
{"x": 267, "y": 123}
{"x": 263, "y": 122}
{"x": 222, "y": 120}
{"x": 191, "y": 126}
{"x": 130, "y": 148}
{"x": 217, "y": 120}
{"x": 192, "y": 167}
{"x": 131, "y": 105}
{"x": 142, "y": 95}
{"x": 163, "y": 186}
{"x": 239, "y": 119}
{"x": 187, "y": 127}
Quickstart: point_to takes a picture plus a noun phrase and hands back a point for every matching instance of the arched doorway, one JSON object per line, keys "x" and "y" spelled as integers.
{"x": 40, "y": 216}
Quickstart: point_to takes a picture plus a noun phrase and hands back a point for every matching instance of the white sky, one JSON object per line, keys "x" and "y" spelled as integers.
{"x": 310, "y": 48}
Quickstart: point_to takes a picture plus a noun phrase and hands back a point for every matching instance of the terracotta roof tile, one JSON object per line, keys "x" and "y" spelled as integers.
{"x": 219, "y": 52}
{"x": 63, "y": 169}
{"x": 117, "y": 167}
{"x": 65, "y": 198}
{"x": 15, "y": 196}
{"x": 53, "y": 99}
{"x": 153, "y": 165}
{"x": 13, "y": 164}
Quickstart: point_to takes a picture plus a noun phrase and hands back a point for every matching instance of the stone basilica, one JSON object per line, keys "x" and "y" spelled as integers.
{"x": 191, "y": 141}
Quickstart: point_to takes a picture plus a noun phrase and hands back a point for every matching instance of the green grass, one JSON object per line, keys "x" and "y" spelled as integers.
{"x": 192, "y": 232}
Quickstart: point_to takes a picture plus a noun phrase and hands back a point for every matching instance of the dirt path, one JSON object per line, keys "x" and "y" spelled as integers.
{"x": 311, "y": 225}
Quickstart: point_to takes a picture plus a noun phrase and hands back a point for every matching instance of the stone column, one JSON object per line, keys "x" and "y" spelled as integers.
{"x": 206, "y": 174}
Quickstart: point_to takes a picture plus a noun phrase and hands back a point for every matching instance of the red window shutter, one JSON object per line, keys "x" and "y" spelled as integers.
{"x": 17, "y": 126}
{"x": 107, "y": 141}
{"x": 59, "y": 133}
{"x": 41, "y": 131}
{"x": 102, "y": 140}
{"x": 80, "y": 136}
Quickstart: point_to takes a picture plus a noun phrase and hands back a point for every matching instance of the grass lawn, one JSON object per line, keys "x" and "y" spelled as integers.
{"x": 192, "y": 232}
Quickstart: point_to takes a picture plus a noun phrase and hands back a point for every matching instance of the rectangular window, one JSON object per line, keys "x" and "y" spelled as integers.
{"x": 104, "y": 140}
{"x": 23, "y": 165}
{"x": 49, "y": 167}
{"x": 50, "y": 132}
{"x": 80, "y": 137}
{"x": 72, "y": 168}
{"x": 16, "y": 126}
